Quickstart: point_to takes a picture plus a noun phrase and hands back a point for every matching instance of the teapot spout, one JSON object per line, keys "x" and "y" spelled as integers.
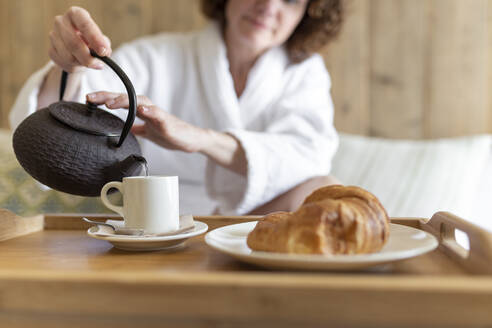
{"x": 130, "y": 166}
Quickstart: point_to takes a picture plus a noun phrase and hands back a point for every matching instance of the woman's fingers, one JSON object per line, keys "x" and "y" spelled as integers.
{"x": 138, "y": 130}
{"x": 73, "y": 35}
{"x": 60, "y": 55}
{"x": 151, "y": 114}
{"x": 74, "y": 44}
{"x": 83, "y": 22}
{"x": 168, "y": 130}
{"x": 122, "y": 101}
{"x": 102, "y": 97}
{"x": 115, "y": 100}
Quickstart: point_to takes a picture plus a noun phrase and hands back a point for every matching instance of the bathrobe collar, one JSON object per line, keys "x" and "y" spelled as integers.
{"x": 262, "y": 87}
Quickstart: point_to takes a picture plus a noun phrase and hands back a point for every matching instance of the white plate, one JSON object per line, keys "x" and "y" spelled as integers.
{"x": 140, "y": 243}
{"x": 404, "y": 242}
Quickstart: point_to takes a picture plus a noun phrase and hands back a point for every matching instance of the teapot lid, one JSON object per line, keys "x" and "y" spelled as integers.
{"x": 87, "y": 118}
{"x": 79, "y": 116}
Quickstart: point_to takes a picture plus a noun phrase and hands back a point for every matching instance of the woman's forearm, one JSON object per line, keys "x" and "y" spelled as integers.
{"x": 170, "y": 132}
{"x": 50, "y": 89}
{"x": 225, "y": 150}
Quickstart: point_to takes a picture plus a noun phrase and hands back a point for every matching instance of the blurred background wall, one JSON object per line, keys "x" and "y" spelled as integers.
{"x": 401, "y": 68}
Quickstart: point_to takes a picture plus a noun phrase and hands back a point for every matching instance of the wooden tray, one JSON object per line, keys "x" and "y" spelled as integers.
{"x": 53, "y": 275}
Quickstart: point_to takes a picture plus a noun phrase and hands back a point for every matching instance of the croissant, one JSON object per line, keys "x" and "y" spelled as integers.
{"x": 332, "y": 220}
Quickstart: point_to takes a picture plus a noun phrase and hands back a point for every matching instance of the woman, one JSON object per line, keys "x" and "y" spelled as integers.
{"x": 240, "y": 111}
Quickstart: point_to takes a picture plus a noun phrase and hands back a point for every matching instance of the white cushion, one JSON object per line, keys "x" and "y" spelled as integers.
{"x": 418, "y": 178}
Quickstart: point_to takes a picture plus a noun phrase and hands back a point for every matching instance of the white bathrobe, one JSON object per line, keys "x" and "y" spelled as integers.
{"x": 283, "y": 119}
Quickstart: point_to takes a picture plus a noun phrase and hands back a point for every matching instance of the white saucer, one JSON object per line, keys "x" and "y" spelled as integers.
{"x": 404, "y": 242}
{"x": 153, "y": 243}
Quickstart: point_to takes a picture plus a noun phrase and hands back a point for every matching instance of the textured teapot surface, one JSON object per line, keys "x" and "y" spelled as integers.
{"x": 86, "y": 118}
{"x": 77, "y": 148}
{"x": 70, "y": 160}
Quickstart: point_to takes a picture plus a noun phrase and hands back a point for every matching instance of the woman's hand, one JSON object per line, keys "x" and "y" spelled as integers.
{"x": 159, "y": 126}
{"x": 73, "y": 34}
{"x": 170, "y": 132}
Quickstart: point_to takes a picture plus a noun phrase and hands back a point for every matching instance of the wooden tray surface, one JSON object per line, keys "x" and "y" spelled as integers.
{"x": 59, "y": 271}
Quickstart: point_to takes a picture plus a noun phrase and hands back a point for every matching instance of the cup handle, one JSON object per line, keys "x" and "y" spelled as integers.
{"x": 105, "y": 200}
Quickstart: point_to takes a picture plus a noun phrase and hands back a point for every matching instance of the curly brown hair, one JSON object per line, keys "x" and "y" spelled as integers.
{"x": 320, "y": 24}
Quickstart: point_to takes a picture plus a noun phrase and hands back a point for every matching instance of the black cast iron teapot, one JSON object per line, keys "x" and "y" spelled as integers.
{"x": 77, "y": 148}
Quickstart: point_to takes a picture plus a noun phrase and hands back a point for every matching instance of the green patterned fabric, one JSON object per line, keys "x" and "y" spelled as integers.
{"x": 21, "y": 194}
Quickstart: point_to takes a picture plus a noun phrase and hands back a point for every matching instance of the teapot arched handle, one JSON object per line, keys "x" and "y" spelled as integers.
{"x": 132, "y": 97}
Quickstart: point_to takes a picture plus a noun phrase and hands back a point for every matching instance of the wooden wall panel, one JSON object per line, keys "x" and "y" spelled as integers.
{"x": 347, "y": 60}
{"x": 489, "y": 62}
{"x": 184, "y": 16}
{"x": 126, "y": 20}
{"x": 26, "y": 45}
{"x": 5, "y": 59}
{"x": 458, "y": 75}
{"x": 401, "y": 68}
{"x": 398, "y": 34}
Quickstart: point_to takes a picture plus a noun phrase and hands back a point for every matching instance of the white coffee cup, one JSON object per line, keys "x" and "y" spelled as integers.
{"x": 150, "y": 203}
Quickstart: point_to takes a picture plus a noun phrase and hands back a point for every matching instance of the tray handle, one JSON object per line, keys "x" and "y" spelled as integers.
{"x": 478, "y": 259}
